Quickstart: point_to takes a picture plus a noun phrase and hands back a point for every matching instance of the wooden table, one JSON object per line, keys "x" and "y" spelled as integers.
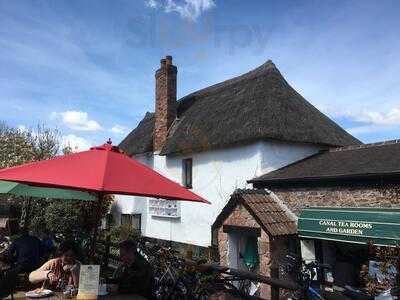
{"x": 60, "y": 296}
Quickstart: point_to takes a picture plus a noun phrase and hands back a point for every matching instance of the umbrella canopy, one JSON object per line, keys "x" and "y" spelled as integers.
{"x": 103, "y": 170}
{"x": 23, "y": 190}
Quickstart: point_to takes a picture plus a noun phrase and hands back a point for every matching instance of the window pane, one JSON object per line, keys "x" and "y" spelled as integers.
{"x": 136, "y": 221}
{"x": 133, "y": 220}
{"x": 126, "y": 219}
{"x": 187, "y": 172}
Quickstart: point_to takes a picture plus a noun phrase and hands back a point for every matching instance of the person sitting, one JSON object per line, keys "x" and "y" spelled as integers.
{"x": 25, "y": 252}
{"x": 62, "y": 270}
{"x": 134, "y": 274}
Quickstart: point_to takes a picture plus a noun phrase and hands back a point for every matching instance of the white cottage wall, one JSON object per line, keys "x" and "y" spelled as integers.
{"x": 216, "y": 174}
{"x": 131, "y": 204}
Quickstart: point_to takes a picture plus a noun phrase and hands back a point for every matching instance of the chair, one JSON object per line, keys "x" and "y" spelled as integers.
{"x": 23, "y": 282}
{"x": 8, "y": 282}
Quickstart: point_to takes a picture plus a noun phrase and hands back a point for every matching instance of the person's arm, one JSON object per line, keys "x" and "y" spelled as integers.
{"x": 74, "y": 273}
{"x": 41, "y": 274}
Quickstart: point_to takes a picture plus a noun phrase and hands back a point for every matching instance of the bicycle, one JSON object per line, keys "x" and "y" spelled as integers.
{"x": 178, "y": 278}
{"x": 220, "y": 281}
{"x": 304, "y": 273}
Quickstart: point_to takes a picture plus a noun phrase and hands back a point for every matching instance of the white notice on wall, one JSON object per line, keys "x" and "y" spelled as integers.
{"x": 89, "y": 281}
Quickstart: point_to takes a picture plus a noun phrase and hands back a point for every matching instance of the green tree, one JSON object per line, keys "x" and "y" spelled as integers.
{"x": 65, "y": 218}
{"x": 22, "y": 146}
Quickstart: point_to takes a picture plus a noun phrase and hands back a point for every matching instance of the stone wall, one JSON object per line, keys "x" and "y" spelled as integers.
{"x": 270, "y": 250}
{"x": 241, "y": 217}
{"x": 358, "y": 195}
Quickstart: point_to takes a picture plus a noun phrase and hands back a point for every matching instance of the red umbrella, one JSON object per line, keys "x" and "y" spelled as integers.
{"x": 102, "y": 170}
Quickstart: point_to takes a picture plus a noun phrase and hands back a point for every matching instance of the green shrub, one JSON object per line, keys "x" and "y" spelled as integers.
{"x": 123, "y": 232}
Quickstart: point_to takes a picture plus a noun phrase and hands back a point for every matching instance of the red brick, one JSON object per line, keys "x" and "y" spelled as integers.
{"x": 165, "y": 107}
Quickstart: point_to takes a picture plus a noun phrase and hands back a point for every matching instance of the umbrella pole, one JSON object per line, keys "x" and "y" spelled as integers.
{"x": 92, "y": 251}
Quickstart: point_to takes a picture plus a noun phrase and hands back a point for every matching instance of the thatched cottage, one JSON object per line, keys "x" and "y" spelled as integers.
{"x": 214, "y": 140}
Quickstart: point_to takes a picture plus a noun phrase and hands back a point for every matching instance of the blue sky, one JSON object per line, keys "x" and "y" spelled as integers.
{"x": 87, "y": 67}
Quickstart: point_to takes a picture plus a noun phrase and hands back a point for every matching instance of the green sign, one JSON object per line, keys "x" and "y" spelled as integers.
{"x": 356, "y": 225}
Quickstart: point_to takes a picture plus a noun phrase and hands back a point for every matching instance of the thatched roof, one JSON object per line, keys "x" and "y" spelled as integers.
{"x": 346, "y": 163}
{"x": 273, "y": 217}
{"x": 257, "y": 105}
{"x": 140, "y": 139}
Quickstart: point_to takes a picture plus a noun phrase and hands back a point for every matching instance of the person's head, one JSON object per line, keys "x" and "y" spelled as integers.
{"x": 67, "y": 251}
{"x": 127, "y": 251}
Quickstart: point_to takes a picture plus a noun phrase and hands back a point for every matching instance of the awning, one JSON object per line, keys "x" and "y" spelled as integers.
{"x": 381, "y": 226}
{"x": 23, "y": 190}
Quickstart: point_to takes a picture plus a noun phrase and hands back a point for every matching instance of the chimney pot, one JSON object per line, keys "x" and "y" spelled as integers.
{"x": 168, "y": 59}
{"x": 163, "y": 62}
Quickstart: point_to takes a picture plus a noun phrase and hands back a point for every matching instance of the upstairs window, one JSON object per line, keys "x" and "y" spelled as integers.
{"x": 187, "y": 166}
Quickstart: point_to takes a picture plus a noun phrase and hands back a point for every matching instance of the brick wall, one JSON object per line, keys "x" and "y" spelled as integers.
{"x": 269, "y": 250}
{"x": 239, "y": 217}
{"x": 165, "y": 107}
{"x": 358, "y": 195}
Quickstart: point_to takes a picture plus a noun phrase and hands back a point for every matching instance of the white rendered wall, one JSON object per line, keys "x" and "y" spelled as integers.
{"x": 129, "y": 204}
{"x": 216, "y": 174}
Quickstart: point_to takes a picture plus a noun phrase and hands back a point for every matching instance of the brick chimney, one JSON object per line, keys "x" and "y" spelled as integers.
{"x": 165, "y": 111}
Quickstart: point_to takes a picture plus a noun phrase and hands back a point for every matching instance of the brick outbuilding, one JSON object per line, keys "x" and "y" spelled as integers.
{"x": 255, "y": 216}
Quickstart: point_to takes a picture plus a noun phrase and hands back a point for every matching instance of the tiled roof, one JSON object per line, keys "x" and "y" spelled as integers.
{"x": 352, "y": 162}
{"x": 273, "y": 217}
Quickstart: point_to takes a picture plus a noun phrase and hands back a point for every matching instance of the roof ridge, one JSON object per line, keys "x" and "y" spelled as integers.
{"x": 148, "y": 114}
{"x": 268, "y": 66}
{"x": 251, "y": 191}
{"x": 364, "y": 146}
{"x": 259, "y": 104}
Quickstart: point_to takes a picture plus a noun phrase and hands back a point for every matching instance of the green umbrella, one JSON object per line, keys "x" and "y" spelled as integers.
{"x": 19, "y": 189}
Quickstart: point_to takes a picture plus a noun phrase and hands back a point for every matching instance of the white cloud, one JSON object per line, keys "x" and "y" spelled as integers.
{"x": 375, "y": 121}
{"x": 392, "y": 117}
{"x": 76, "y": 143}
{"x": 151, "y": 3}
{"x": 187, "y": 9}
{"x": 77, "y": 120}
{"x": 366, "y": 129}
{"x": 22, "y": 128}
{"x": 118, "y": 129}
